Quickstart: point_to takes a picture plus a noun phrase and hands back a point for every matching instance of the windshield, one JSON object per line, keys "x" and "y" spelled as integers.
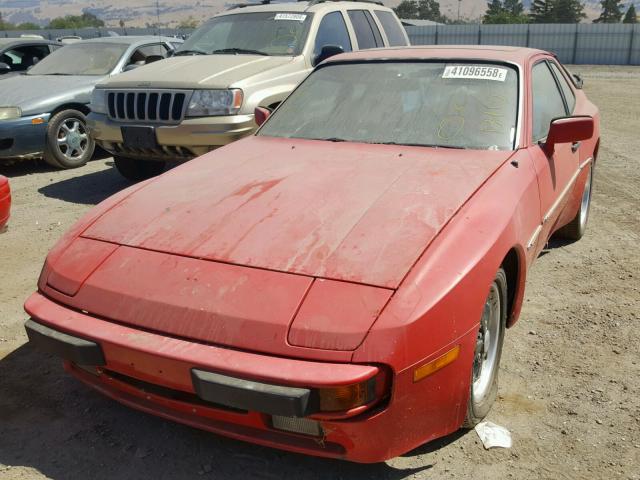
{"x": 81, "y": 59}
{"x": 456, "y": 105}
{"x": 266, "y": 33}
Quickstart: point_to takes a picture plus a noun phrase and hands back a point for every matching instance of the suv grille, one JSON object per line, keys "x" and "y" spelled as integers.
{"x": 161, "y": 106}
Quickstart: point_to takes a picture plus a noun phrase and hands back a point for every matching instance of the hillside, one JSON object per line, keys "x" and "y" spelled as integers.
{"x": 139, "y": 13}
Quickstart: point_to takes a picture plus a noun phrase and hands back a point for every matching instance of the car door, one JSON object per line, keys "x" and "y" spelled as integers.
{"x": 332, "y": 31}
{"x": 556, "y": 173}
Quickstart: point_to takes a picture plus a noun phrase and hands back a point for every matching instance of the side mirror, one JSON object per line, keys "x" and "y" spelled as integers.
{"x": 171, "y": 53}
{"x": 327, "y": 52}
{"x": 567, "y": 130}
{"x": 4, "y": 68}
{"x": 260, "y": 115}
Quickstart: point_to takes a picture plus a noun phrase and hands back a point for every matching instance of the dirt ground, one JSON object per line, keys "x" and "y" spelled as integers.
{"x": 570, "y": 378}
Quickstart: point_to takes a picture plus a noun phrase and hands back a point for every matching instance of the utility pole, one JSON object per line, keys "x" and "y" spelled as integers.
{"x": 459, "y": 2}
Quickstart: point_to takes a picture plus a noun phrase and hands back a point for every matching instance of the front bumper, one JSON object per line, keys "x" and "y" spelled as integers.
{"x": 153, "y": 373}
{"x": 21, "y": 138}
{"x": 190, "y": 138}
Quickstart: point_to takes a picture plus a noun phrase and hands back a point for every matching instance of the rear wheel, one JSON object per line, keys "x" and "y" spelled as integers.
{"x": 68, "y": 144}
{"x": 137, "y": 170}
{"x": 575, "y": 229}
{"x": 488, "y": 350}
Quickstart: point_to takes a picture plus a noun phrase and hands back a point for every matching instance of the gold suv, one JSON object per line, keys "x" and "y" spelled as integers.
{"x": 204, "y": 96}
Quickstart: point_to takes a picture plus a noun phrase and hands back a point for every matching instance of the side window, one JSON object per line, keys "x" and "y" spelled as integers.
{"x": 547, "y": 101}
{"x": 569, "y": 96}
{"x": 332, "y": 31}
{"x": 139, "y": 57}
{"x": 21, "y": 58}
{"x": 393, "y": 29}
{"x": 364, "y": 33}
{"x": 374, "y": 29}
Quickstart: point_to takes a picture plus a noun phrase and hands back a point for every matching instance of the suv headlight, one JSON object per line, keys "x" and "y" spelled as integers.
{"x": 9, "y": 113}
{"x": 205, "y": 103}
{"x": 98, "y": 102}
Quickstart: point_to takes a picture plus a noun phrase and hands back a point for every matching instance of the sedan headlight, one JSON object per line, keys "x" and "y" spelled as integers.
{"x": 98, "y": 102}
{"x": 9, "y": 113}
{"x": 214, "y": 102}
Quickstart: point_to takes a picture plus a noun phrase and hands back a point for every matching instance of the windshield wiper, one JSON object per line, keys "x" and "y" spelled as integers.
{"x": 190, "y": 52}
{"x": 240, "y": 50}
{"x": 432, "y": 145}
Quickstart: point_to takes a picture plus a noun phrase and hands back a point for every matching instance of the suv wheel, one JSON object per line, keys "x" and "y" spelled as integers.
{"x": 137, "y": 170}
{"x": 68, "y": 144}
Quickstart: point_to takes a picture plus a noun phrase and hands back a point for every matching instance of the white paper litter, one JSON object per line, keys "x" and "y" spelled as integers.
{"x": 493, "y": 435}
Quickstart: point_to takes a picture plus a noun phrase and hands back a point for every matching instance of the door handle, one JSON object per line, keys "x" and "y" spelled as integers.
{"x": 575, "y": 146}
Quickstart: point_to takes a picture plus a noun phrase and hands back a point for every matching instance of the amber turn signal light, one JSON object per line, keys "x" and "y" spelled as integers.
{"x": 435, "y": 365}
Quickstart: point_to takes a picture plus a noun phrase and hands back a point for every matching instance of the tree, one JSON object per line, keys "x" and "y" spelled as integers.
{"x": 541, "y": 11}
{"x": 557, "y": 11}
{"x": 429, "y": 10}
{"x": 611, "y": 12}
{"x": 76, "y": 21}
{"x": 631, "y": 16}
{"x": 511, "y": 11}
{"x": 28, "y": 26}
{"x": 407, "y": 9}
{"x": 568, "y": 11}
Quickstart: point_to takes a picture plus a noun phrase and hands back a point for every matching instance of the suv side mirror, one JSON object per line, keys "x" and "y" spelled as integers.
{"x": 4, "y": 68}
{"x": 326, "y": 52}
{"x": 260, "y": 115}
{"x": 566, "y": 130}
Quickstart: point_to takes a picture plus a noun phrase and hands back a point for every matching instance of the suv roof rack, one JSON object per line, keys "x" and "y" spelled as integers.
{"x": 314, "y": 2}
{"x": 261, "y": 2}
{"x": 311, "y": 2}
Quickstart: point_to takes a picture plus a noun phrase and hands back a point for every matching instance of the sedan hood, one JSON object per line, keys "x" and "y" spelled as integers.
{"x": 200, "y": 71}
{"x": 36, "y": 94}
{"x": 342, "y": 211}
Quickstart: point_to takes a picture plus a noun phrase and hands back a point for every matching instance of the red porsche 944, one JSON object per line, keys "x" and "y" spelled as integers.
{"x": 338, "y": 284}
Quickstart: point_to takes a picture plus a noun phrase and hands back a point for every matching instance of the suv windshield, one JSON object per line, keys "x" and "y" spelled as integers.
{"x": 81, "y": 59}
{"x": 455, "y": 105}
{"x": 266, "y": 33}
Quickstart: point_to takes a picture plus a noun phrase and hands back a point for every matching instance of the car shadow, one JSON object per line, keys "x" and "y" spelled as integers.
{"x": 20, "y": 168}
{"x": 54, "y": 424}
{"x": 88, "y": 189}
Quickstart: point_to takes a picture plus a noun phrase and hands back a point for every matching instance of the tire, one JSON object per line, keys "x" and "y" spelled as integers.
{"x": 68, "y": 144}
{"x": 575, "y": 229}
{"x": 483, "y": 387}
{"x": 138, "y": 170}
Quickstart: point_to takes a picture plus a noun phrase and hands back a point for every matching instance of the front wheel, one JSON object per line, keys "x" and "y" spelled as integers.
{"x": 68, "y": 144}
{"x": 138, "y": 170}
{"x": 488, "y": 350}
{"x": 575, "y": 229}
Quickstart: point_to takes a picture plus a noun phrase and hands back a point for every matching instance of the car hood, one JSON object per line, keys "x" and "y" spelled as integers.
{"x": 199, "y": 71}
{"x": 343, "y": 211}
{"x": 36, "y": 94}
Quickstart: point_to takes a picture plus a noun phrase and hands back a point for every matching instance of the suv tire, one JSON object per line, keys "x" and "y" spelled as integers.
{"x": 138, "y": 170}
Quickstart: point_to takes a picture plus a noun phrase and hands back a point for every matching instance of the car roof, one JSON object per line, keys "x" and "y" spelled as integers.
{"x": 517, "y": 55}
{"x": 312, "y": 7}
{"x": 20, "y": 40}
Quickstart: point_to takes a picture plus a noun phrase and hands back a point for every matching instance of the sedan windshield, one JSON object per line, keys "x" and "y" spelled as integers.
{"x": 454, "y": 105}
{"x": 264, "y": 33}
{"x": 81, "y": 59}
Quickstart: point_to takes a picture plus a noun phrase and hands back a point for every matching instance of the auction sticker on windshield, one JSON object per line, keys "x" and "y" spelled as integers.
{"x": 298, "y": 17}
{"x": 476, "y": 72}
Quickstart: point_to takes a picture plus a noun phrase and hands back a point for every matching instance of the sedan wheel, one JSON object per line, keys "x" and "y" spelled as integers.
{"x": 68, "y": 142}
{"x": 488, "y": 349}
{"x": 575, "y": 229}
